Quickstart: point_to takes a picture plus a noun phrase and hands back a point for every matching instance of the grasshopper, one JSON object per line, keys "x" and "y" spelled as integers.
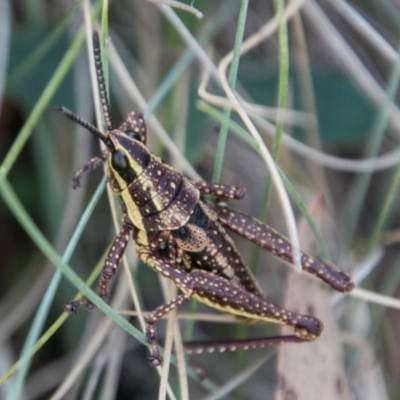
{"x": 184, "y": 237}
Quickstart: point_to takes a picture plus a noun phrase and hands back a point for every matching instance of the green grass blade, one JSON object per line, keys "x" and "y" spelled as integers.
{"x": 223, "y": 133}
{"x": 41, "y": 105}
{"x": 48, "y": 297}
{"x": 243, "y": 135}
{"x": 34, "y": 58}
{"x": 42, "y": 243}
{"x": 357, "y": 195}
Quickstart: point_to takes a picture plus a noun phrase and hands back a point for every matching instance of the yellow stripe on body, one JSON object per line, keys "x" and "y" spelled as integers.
{"x": 134, "y": 214}
{"x": 233, "y": 311}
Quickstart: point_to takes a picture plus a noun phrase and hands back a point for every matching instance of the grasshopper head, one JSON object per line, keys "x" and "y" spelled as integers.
{"x": 127, "y": 159}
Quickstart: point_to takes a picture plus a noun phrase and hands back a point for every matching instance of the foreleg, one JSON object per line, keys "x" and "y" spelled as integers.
{"x": 110, "y": 266}
{"x": 93, "y": 163}
{"x": 169, "y": 269}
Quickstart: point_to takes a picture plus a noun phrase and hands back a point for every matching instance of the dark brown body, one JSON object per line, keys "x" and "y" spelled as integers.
{"x": 183, "y": 237}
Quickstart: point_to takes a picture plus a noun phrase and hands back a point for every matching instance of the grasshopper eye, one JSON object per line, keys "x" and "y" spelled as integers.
{"x": 119, "y": 161}
{"x": 133, "y": 135}
{"x": 120, "y": 164}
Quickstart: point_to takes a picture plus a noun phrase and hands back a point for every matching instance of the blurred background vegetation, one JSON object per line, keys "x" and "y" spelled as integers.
{"x": 334, "y": 67}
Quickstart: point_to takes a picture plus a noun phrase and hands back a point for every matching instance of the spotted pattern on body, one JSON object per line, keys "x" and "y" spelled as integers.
{"x": 158, "y": 197}
{"x": 218, "y": 253}
{"x": 156, "y": 179}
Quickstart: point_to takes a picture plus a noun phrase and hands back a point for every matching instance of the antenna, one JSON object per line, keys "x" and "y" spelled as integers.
{"x": 100, "y": 80}
{"x": 87, "y": 125}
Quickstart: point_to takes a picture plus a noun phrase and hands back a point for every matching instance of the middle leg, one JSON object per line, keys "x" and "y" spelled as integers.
{"x": 221, "y": 191}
